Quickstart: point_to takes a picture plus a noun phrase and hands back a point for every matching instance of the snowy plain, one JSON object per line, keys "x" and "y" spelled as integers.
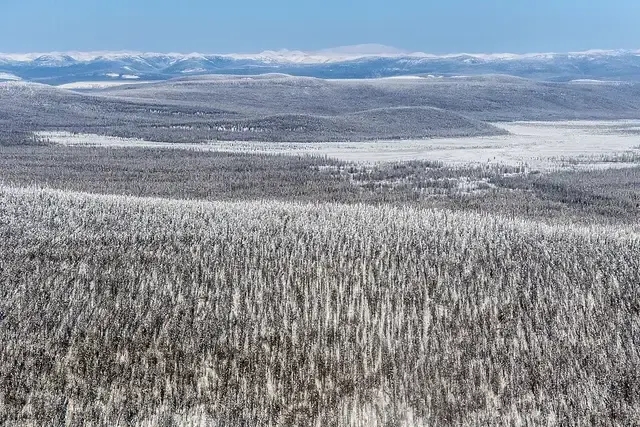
{"x": 540, "y": 145}
{"x": 89, "y": 85}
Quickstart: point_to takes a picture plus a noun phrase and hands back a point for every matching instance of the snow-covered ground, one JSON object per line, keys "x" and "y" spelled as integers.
{"x": 541, "y": 145}
{"x": 99, "y": 84}
{"x": 91, "y": 140}
{"x": 9, "y": 77}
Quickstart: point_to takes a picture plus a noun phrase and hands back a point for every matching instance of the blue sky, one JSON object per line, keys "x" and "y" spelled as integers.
{"x": 209, "y": 26}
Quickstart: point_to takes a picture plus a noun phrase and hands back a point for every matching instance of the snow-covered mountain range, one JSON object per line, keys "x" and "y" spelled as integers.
{"x": 362, "y": 61}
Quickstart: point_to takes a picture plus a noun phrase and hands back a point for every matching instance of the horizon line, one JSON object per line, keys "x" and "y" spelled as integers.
{"x": 322, "y": 55}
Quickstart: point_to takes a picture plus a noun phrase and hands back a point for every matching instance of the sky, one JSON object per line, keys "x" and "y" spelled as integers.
{"x": 248, "y": 26}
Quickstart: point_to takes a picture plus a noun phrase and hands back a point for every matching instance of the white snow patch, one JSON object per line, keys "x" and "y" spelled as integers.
{"x": 99, "y": 85}
{"x": 598, "y": 82}
{"x": 91, "y": 140}
{"x": 130, "y": 76}
{"x": 7, "y": 76}
{"x": 406, "y": 77}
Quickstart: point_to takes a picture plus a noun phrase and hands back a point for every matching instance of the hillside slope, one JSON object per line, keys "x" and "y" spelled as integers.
{"x": 284, "y": 108}
{"x": 128, "y": 311}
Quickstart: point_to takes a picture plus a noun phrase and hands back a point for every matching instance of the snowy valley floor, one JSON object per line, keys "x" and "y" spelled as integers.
{"x": 539, "y": 145}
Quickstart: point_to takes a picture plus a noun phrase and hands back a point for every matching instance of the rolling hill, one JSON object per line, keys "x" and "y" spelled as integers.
{"x": 277, "y": 107}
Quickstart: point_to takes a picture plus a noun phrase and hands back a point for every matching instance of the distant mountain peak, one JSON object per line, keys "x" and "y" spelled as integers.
{"x": 358, "y": 61}
{"x": 336, "y": 54}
